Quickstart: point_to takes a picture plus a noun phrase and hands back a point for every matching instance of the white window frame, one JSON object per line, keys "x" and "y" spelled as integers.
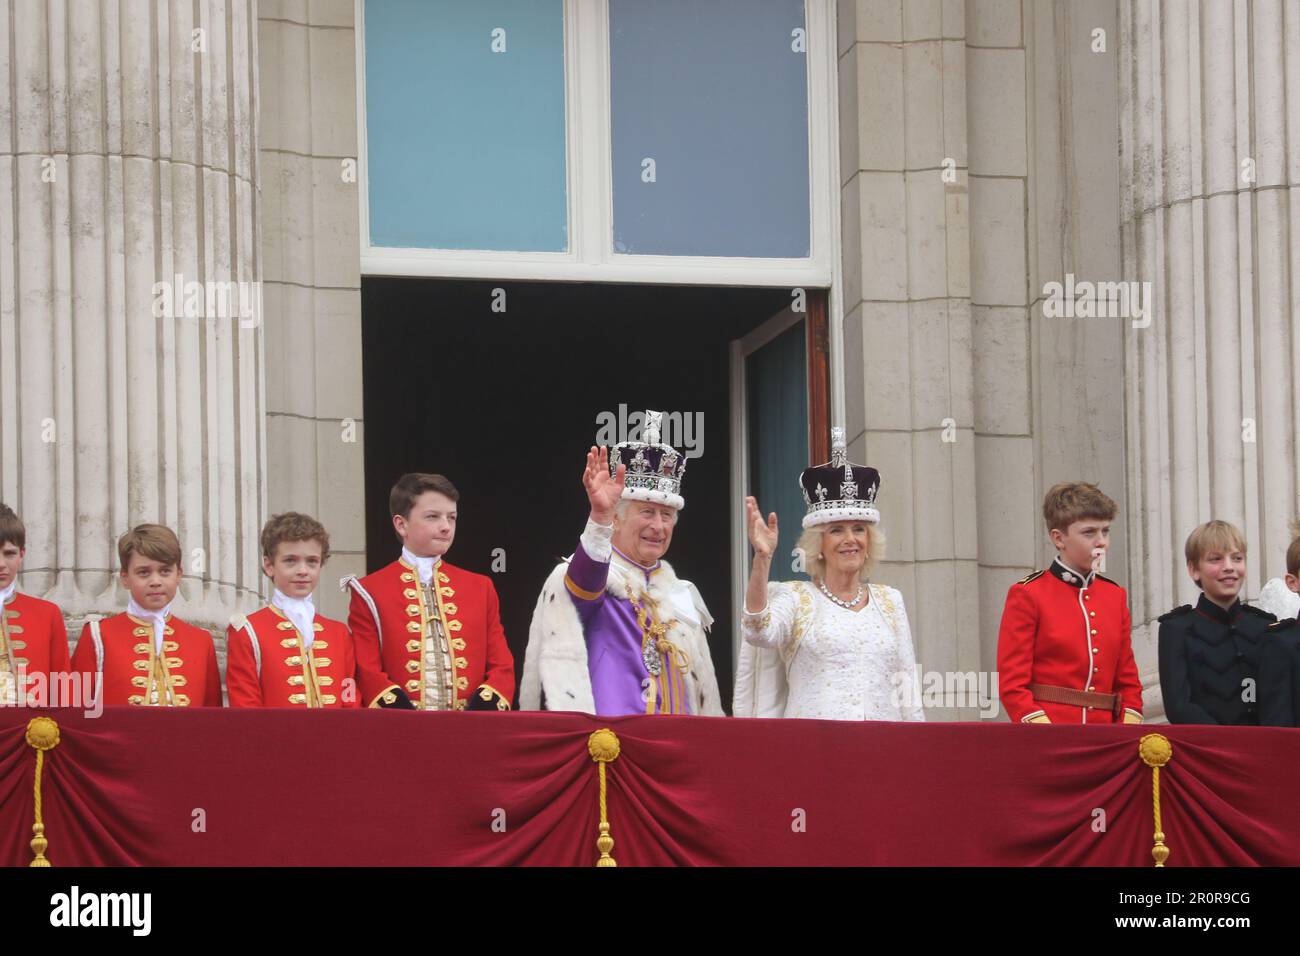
{"x": 590, "y": 257}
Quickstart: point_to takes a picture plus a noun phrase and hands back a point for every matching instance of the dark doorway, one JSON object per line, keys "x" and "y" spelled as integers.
{"x": 505, "y": 404}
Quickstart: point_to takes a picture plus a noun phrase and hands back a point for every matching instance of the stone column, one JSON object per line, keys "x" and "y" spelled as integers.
{"x": 311, "y": 246}
{"x": 1211, "y": 115}
{"x": 1045, "y": 186}
{"x": 1015, "y": 96}
{"x": 907, "y": 304}
{"x": 128, "y": 157}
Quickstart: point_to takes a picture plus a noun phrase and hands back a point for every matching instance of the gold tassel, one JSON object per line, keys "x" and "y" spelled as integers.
{"x": 42, "y": 735}
{"x": 1156, "y": 751}
{"x": 603, "y": 747}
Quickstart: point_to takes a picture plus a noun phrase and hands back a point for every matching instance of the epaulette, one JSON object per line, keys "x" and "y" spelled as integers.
{"x": 1285, "y": 624}
{"x": 1176, "y": 612}
{"x": 1259, "y": 611}
{"x": 1029, "y": 577}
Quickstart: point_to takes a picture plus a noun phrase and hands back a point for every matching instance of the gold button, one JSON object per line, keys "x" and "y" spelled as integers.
{"x": 1087, "y": 597}
{"x": 1092, "y": 688}
{"x": 1093, "y": 631}
{"x": 1092, "y": 614}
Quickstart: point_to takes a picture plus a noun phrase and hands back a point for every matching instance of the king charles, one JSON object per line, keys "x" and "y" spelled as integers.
{"x": 615, "y": 631}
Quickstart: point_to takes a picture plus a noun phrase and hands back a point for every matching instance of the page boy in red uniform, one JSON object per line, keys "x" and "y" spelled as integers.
{"x": 146, "y": 656}
{"x": 286, "y": 654}
{"x": 429, "y": 626}
{"x": 1064, "y": 648}
{"x": 33, "y": 638}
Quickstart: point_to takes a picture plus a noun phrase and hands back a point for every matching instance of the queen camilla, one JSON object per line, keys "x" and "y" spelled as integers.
{"x": 838, "y": 647}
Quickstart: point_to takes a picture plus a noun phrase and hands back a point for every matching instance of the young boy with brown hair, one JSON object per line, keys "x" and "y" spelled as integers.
{"x": 33, "y": 639}
{"x": 432, "y": 629}
{"x": 286, "y": 654}
{"x": 1064, "y": 648}
{"x": 146, "y": 656}
{"x": 1210, "y": 653}
{"x": 1279, "y": 666}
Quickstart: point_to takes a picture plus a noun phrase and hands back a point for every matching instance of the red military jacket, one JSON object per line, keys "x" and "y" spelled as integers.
{"x": 468, "y": 662}
{"x": 268, "y": 665}
{"x": 121, "y": 661}
{"x": 1060, "y": 630}
{"x": 35, "y": 643}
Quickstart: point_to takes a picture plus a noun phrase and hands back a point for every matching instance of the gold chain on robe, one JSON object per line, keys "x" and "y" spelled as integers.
{"x": 667, "y": 689}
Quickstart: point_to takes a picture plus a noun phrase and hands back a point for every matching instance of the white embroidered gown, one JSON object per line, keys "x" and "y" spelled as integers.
{"x": 840, "y": 664}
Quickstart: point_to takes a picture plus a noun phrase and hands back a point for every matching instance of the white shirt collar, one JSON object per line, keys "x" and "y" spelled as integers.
{"x": 301, "y": 611}
{"x": 8, "y": 592}
{"x": 158, "y": 618}
{"x": 424, "y": 566}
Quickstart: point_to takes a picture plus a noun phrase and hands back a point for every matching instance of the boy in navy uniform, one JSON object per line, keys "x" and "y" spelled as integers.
{"x": 1210, "y": 653}
{"x": 1279, "y": 666}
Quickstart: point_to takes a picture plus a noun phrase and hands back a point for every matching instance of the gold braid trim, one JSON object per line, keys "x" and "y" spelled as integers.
{"x": 604, "y": 748}
{"x": 1156, "y": 751}
{"x": 42, "y": 735}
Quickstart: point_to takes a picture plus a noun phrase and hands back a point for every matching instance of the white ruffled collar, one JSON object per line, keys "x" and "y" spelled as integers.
{"x": 423, "y": 566}
{"x": 301, "y": 611}
{"x": 157, "y": 618}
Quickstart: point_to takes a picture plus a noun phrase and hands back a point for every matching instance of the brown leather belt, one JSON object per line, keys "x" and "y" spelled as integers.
{"x": 1078, "y": 698}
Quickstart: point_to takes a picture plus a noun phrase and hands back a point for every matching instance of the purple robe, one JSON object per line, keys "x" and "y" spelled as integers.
{"x": 619, "y": 677}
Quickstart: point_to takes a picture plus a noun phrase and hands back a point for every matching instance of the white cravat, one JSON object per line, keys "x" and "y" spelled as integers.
{"x": 158, "y": 618}
{"x": 301, "y": 611}
{"x": 424, "y": 566}
{"x": 8, "y": 592}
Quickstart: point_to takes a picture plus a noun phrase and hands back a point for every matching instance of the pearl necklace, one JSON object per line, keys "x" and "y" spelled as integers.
{"x": 847, "y": 605}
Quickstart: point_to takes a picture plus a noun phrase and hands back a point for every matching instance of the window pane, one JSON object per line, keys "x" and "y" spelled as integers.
{"x": 715, "y": 94}
{"x": 465, "y": 124}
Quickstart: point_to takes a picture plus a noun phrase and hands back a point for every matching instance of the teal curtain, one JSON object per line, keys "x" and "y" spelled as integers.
{"x": 776, "y": 382}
